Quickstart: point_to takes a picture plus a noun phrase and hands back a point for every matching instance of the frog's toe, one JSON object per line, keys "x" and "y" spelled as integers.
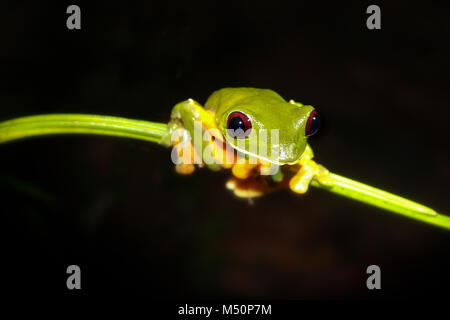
{"x": 300, "y": 183}
{"x": 324, "y": 176}
{"x": 184, "y": 168}
{"x": 309, "y": 170}
{"x": 242, "y": 170}
{"x": 248, "y": 188}
{"x": 185, "y": 157}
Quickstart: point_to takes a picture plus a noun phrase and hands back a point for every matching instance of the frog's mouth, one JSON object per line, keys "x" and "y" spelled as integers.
{"x": 282, "y": 154}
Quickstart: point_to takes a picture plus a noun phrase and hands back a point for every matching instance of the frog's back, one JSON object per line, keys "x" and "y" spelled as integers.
{"x": 230, "y": 96}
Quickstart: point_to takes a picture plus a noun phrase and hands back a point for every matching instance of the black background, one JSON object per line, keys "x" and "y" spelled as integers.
{"x": 116, "y": 208}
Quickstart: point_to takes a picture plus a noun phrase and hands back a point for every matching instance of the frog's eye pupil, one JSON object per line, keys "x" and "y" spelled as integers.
{"x": 239, "y": 124}
{"x": 313, "y": 123}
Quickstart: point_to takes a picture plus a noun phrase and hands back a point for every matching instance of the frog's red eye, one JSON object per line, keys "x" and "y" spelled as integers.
{"x": 239, "y": 125}
{"x": 313, "y": 123}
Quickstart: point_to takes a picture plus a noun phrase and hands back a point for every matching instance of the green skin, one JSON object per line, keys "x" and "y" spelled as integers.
{"x": 266, "y": 109}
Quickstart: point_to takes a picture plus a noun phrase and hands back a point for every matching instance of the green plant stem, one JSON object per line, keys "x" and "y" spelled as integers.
{"x": 80, "y": 124}
{"x": 49, "y": 124}
{"x": 385, "y": 200}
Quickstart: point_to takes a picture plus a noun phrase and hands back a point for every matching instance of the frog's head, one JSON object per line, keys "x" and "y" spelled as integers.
{"x": 250, "y": 125}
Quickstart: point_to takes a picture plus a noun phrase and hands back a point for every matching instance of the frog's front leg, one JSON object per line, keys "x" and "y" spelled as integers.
{"x": 186, "y": 117}
{"x": 309, "y": 169}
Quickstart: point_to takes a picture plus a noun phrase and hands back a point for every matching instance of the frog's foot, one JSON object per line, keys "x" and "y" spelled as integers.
{"x": 247, "y": 181}
{"x": 309, "y": 169}
{"x": 246, "y": 188}
{"x": 184, "y": 168}
{"x": 188, "y": 120}
{"x": 243, "y": 170}
{"x": 253, "y": 186}
{"x": 188, "y": 156}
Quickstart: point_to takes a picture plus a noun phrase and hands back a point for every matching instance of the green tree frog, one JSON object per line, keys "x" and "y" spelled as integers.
{"x": 239, "y": 116}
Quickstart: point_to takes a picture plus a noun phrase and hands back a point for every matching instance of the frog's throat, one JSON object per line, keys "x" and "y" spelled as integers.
{"x": 274, "y": 161}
